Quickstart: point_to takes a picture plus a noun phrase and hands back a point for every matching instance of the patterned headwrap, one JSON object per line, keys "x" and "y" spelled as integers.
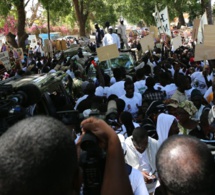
{"x": 189, "y": 107}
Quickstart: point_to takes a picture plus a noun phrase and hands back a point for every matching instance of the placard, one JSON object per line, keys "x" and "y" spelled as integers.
{"x": 147, "y": 43}
{"x": 203, "y": 22}
{"x": 4, "y": 58}
{"x": 61, "y": 45}
{"x": 162, "y": 21}
{"x": 196, "y": 23}
{"x": 32, "y": 41}
{"x": 154, "y": 31}
{"x": 107, "y": 52}
{"x": 48, "y": 49}
{"x": 209, "y": 35}
{"x": 20, "y": 53}
{"x": 176, "y": 42}
{"x": 203, "y": 52}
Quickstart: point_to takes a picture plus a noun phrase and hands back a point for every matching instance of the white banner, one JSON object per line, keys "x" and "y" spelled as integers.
{"x": 162, "y": 21}
{"x": 4, "y": 58}
{"x": 203, "y": 21}
{"x": 32, "y": 41}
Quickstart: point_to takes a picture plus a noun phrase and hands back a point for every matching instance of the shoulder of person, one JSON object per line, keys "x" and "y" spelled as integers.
{"x": 152, "y": 140}
{"x": 128, "y": 140}
{"x": 153, "y": 144}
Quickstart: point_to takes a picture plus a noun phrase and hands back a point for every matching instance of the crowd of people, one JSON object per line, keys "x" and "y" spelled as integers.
{"x": 155, "y": 119}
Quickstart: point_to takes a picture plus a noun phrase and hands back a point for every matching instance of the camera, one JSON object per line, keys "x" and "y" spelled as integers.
{"x": 92, "y": 161}
{"x": 15, "y": 104}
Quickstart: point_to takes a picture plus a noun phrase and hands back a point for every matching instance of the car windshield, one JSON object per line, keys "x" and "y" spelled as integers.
{"x": 124, "y": 60}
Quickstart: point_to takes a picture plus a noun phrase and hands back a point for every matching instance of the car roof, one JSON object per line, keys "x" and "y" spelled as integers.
{"x": 45, "y": 82}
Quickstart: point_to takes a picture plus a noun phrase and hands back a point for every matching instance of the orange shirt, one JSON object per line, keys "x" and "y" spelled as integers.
{"x": 210, "y": 98}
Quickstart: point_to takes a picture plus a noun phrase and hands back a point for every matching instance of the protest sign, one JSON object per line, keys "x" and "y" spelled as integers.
{"x": 58, "y": 45}
{"x": 176, "y": 42}
{"x": 196, "y": 23}
{"x": 147, "y": 43}
{"x": 203, "y": 21}
{"x": 32, "y": 41}
{"x": 154, "y": 31}
{"x": 162, "y": 21}
{"x": 48, "y": 47}
{"x": 20, "y": 53}
{"x": 107, "y": 52}
{"x": 203, "y": 52}
{"x": 61, "y": 45}
{"x": 209, "y": 35}
{"x": 4, "y": 58}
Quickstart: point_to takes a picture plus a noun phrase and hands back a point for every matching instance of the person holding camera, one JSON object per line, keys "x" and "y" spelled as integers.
{"x": 115, "y": 180}
{"x": 38, "y": 156}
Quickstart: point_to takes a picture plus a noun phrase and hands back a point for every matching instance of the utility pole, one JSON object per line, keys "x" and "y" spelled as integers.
{"x": 48, "y": 23}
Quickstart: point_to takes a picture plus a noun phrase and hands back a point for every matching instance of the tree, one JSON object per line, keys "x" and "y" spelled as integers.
{"x": 8, "y": 25}
{"x": 82, "y": 13}
{"x": 142, "y": 10}
{"x": 34, "y": 16}
{"x": 103, "y": 13}
{"x": 206, "y": 6}
{"x": 19, "y": 6}
{"x": 53, "y": 5}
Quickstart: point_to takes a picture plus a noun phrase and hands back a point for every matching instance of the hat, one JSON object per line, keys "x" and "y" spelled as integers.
{"x": 155, "y": 107}
{"x": 195, "y": 93}
{"x": 172, "y": 103}
{"x": 110, "y": 27}
{"x": 189, "y": 107}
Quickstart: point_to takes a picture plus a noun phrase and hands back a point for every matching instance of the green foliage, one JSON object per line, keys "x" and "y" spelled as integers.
{"x": 142, "y": 10}
{"x": 5, "y": 6}
{"x": 57, "y": 7}
{"x": 70, "y": 18}
{"x": 104, "y": 14}
{"x": 192, "y": 7}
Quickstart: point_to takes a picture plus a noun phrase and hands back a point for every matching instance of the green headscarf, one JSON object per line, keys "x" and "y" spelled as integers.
{"x": 189, "y": 107}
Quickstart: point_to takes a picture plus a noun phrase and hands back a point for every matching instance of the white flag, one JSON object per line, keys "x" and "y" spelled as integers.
{"x": 203, "y": 21}
{"x": 162, "y": 21}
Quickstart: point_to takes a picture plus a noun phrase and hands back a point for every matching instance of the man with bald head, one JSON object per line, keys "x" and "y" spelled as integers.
{"x": 185, "y": 167}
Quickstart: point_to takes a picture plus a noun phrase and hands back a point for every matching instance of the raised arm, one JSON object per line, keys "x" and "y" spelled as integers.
{"x": 115, "y": 179}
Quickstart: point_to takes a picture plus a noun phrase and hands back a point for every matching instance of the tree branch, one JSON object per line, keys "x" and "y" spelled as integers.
{"x": 27, "y": 3}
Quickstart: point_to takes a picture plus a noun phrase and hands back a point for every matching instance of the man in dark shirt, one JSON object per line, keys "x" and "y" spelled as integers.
{"x": 149, "y": 123}
{"x": 151, "y": 93}
{"x": 99, "y": 35}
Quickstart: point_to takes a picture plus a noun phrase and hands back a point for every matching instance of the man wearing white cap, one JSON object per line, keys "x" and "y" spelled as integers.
{"x": 111, "y": 38}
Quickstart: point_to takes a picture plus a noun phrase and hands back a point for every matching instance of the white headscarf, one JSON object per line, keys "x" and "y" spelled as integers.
{"x": 164, "y": 123}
